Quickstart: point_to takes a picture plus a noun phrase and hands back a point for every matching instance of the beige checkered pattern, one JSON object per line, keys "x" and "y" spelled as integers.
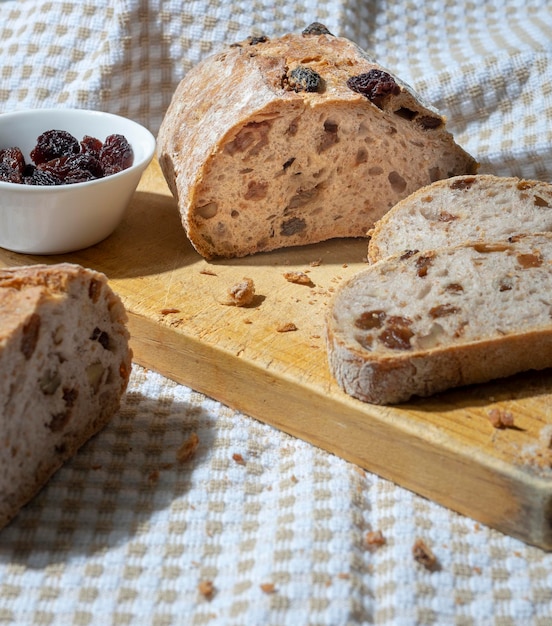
{"x": 256, "y": 528}
{"x": 127, "y": 534}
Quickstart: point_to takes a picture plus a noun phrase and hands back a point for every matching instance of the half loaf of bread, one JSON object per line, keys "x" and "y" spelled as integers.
{"x": 64, "y": 363}
{"x": 295, "y": 140}
{"x": 420, "y": 323}
{"x": 463, "y": 208}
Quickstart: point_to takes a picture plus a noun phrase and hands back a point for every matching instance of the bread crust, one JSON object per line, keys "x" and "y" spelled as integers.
{"x": 65, "y": 362}
{"x": 256, "y": 164}
{"x": 493, "y": 322}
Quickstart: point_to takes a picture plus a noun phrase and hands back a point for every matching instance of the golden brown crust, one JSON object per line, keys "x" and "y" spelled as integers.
{"x": 495, "y": 325}
{"x": 279, "y": 163}
{"x": 65, "y": 363}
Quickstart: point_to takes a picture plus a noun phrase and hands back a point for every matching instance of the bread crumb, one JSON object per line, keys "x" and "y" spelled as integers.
{"x": 299, "y": 278}
{"x": 153, "y": 476}
{"x": 374, "y": 539}
{"x": 315, "y": 263}
{"x": 286, "y": 328}
{"x": 187, "y": 449}
{"x": 207, "y": 272}
{"x": 169, "y": 311}
{"x": 242, "y": 293}
{"x": 268, "y": 587}
{"x": 500, "y": 418}
{"x": 206, "y": 588}
{"x": 424, "y": 555}
{"x": 238, "y": 458}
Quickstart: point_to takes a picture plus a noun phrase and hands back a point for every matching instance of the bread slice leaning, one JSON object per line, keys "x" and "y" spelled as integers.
{"x": 294, "y": 140}
{"x": 416, "y": 324}
{"x": 64, "y": 363}
{"x": 463, "y": 208}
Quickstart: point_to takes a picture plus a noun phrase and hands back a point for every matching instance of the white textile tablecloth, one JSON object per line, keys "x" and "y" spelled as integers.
{"x": 123, "y": 534}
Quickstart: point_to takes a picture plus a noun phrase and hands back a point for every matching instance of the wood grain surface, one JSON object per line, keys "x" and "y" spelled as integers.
{"x": 269, "y": 361}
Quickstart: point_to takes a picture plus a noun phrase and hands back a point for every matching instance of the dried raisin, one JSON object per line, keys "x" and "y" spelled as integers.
{"x": 91, "y": 145}
{"x": 75, "y": 168}
{"x": 116, "y": 154}
{"x": 442, "y": 310}
{"x": 370, "y": 319}
{"x": 60, "y": 159}
{"x": 53, "y": 144}
{"x": 12, "y": 165}
{"x": 430, "y": 122}
{"x": 253, "y": 41}
{"x": 35, "y": 176}
{"x": 316, "y": 28}
{"x": 375, "y": 85}
{"x": 8, "y": 174}
{"x": 304, "y": 78}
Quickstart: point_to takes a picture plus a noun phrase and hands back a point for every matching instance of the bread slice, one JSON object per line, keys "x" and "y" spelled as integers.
{"x": 295, "y": 140}
{"x": 463, "y": 208}
{"x": 417, "y": 324}
{"x": 64, "y": 363}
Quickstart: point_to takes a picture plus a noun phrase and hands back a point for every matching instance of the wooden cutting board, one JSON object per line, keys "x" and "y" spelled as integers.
{"x": 445, "y": 448}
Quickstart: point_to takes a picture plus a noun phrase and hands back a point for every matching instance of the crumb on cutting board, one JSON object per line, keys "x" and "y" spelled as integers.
{"x": 501, "y": 418}
{"x": 242, "y": 293}
{"x": 298, "y": 278}
{"x": 286, "y": 327}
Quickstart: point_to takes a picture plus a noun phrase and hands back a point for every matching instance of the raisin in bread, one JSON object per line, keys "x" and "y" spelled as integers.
{"x": 64, "y": 364}
{"x": 463, "y": 208}
{"x": 416, "y": 324}
{"x": 295, "y": 140}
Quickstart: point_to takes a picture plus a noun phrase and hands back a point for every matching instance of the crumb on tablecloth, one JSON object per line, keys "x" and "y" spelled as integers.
{"x": 206, "y": 588}
{"x": 187, "y": 449}
{"x": 374, "y": 539}
{"x": 423, "y": 554}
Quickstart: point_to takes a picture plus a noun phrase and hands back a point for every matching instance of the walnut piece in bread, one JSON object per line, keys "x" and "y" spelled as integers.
{"x": 65, "y": 362}
{"x": 416, "y": 324}
{"x": 294, "y": 140}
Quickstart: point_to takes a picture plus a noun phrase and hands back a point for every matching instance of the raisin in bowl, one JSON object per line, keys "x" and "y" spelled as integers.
{"x": 66, "y": 203}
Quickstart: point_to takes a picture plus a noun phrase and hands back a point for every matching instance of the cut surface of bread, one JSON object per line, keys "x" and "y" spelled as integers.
{"x": 416, "y": 324}
{"x": 295, "y": 140}
{"x": 460, "y": 209}
{"x": 65, "y": 362}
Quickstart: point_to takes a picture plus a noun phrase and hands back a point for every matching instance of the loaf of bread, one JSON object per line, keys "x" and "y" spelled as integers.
{"x": 295, "y": 140}
{"x": 65, "y": 362}
{"x": 463, "y": 208}
{"x": 416, "y": 324}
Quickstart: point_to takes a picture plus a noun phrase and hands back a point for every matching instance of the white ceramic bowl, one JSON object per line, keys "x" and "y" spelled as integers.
{"x": 64, "y": 218}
